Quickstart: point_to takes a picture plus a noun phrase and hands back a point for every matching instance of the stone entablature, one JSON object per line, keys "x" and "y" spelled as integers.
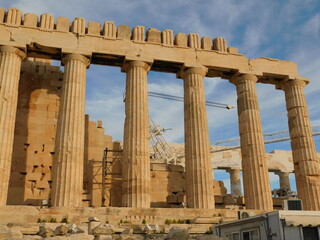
{"x": 112, "y": 45}
{"x": 278, "y": 160}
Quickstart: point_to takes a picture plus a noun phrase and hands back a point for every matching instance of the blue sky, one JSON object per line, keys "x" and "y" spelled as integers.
{"x": 287, "y": 30}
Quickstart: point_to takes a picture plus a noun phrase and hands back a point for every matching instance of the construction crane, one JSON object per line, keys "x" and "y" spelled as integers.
{"x": 160, "y": 147}
{"x": 273, "y": 137}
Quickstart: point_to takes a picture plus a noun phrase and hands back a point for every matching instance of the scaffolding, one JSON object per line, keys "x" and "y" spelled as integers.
{"x": 107, "y": 164}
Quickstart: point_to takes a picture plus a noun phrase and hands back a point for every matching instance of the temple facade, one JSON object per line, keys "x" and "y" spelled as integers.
{"x": 79, "y": 44}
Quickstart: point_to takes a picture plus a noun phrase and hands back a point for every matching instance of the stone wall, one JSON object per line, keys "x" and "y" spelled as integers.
{"x": 36, "y": 121}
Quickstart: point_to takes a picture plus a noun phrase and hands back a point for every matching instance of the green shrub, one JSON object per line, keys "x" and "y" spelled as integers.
{"x": 167, "y": 221}
{"x": 180, "y": 221}
{"x": 65, "y": 220}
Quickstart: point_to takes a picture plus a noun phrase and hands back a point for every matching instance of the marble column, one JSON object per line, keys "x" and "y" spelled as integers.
{"x": 136, "y": 154}
{"x": 235, "y": 182}
{"x": 67, "y": 177}
{"x": 255, "y": 174}
{"x": 199, "y": 177}
{"x": 10, "y": 64}
{"x": 284, "y": 180}
{"x": 306, "y": 163}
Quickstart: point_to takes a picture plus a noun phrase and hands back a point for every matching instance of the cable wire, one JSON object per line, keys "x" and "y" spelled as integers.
{"x": 180, "y": 99}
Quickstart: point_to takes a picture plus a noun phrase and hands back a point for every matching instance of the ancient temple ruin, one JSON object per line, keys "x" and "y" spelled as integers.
{"x": 39, "y": 97}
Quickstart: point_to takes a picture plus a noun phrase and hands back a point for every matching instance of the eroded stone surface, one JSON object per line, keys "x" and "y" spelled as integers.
{"x": 177, "y": 234}
{"x": 103, "y": 229}
{"x": 306, "y": 162}
{"x": 254, "y": 163}
{"x": 136, "y": 155}
{"x": 10, "y": 64}
{"x": 117, "y": 46}
{"x": 198, "y": 166}
{"x": 67, "y": 173}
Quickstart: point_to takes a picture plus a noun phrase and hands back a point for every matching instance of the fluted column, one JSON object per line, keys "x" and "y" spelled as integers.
{"x": 306, "y": 163}
{"x": 67, "y": 175}
{"x": 255, "y": 174}
{"x": 10, "y": 64}
{"x": 235, "y": 182}
{"x": 136, "y": 156}
{"x": 284, "y": 179}
{"x": 199, "y": 177}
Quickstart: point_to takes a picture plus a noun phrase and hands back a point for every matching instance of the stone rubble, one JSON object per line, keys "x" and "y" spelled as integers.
{"x": 103, "y": 231}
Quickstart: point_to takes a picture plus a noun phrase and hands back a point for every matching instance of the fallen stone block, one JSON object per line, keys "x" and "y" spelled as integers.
{"x": 6, "y": 233}
{"x": 103, "y": 229}
{"x": 31, "y": 237}
{"x": 74, "y": 229}
{"x": 138, "y": 229}
{"x": 26, "y": 229}
{"x": 93, "y": 219}
{"x": 177, "y": 234}
{"x": 57, "y": 238}
{"x": 147, "y": 228}
{"x": 127, "y": 231}
{"x": 118, "y": 230}
{"x": 103, "y": 237}
{"x": 93, "y": 225}
{"x": 48, "y": 229}
{"x": 83, "y": 227}
{"x": 61, "y": 230}
{"x": 81, "y": 236}
{"x": 155, "y": 236}
{"x": 128, "y": 237}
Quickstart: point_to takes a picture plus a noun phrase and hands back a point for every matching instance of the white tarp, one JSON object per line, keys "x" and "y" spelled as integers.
{"x": 304, "y": 221}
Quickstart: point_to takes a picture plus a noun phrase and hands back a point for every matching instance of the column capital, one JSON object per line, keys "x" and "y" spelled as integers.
{"x": 75, "y": 57}
{"x": 199, "y": 70}
{"x": 238, "y": 79}
{"x": 232, "y": 169}
{"x": 10, "y": 49}
{"x": 281, "y": 173}
{"x": 135, "y": 63}
{"x": 301, "y": 82}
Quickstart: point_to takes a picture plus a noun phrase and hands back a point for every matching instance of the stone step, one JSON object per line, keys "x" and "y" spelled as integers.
{"x": 191, "y": 228}
{"x": 207, "y": 220}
